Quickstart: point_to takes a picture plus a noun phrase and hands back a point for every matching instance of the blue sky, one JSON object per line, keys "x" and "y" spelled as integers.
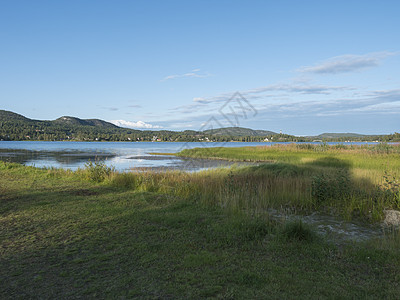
{"x": 303, "y": 67}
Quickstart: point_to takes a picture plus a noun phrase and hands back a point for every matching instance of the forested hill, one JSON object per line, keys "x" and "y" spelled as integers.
{"x": 72, "y": 121}
{"x": 11, "y": 116}
{"x": 8, "y": 116}
{"x": 239, "y": 131}
{"x": 16, "y": 127}
{"x": 339, "y": 135}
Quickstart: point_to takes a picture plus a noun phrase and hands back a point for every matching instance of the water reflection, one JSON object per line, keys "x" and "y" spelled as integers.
{"x": 122, "y": 155}
{"x": 74, "y": 159}
{"x": 155, "y": 162}
{"x": 64, "y": 158}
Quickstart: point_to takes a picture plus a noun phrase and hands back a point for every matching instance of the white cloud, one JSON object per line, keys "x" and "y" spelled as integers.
{"x": 288, "y": 88}
{"x": 194, "y": 74}
{"x": 110, "y": 108}
{"x": 299, "y": 88}
{"x": 199, "y": 100}
{"x": 138, "y": 124}
{"x": 378, "y": 102}
{"x": 393, "y": 107}
{"x": 347, "y": 63}
{"x": 305, "y": 100}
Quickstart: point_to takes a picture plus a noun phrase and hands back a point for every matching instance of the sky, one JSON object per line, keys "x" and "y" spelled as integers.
{"x": 300, "y": 67}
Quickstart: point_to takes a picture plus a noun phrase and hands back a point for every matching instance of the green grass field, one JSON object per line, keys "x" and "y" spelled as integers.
{"x": 95, "y": 233}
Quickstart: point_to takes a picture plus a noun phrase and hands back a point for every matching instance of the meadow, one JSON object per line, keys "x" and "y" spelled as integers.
{"x": 97, "y": 233}
{"x": 351, "y": 181}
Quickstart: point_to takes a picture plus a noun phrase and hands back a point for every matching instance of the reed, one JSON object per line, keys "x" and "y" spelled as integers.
{"x": 353, "y": 181}
{"x": 257, "y": 189}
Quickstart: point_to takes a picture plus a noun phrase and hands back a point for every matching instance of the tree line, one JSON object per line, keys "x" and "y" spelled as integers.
{"x": 21, "y": 130}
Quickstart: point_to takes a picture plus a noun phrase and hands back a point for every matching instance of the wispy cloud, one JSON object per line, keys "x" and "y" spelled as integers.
{"x": 288, "y": 88}
{"x": 383, "y": 101}
{"x": 386, "y": 94}
{"x": 307, "y": 89}
{"x": 378, "y": 102}
{"x": 138, "y": 124}
{"x": 135, "y": 106}
{"x": 386, "y": 107}
{"x": 347, "y": 63}
{"x": 327, "y": 101}
{"x": 293, "y": 108}
{"x": 111, "y": 108}
{"x": 193, "y": 74}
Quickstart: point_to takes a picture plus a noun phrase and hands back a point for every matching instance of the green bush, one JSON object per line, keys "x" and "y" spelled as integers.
{"x": 324, "y": 187}
{"x": 391, "y": 189}
{"x": 97, "y": 171}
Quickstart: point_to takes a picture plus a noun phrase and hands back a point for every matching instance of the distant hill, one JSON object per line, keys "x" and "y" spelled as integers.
{"x": 339, "y": 135}
{"x": 66, "y": 120}
{"x": 238, "y": 131}
{"x": 12, "y": 116}
{"x": 8, "y": 116}
{"x": 15, "y": 127}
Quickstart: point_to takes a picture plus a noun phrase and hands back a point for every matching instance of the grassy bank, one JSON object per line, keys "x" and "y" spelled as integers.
{"x": 353, "y": 181}
{"x": 98, "y": 234}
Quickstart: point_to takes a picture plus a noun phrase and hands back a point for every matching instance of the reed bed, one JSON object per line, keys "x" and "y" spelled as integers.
{"x": 355, "y": 182}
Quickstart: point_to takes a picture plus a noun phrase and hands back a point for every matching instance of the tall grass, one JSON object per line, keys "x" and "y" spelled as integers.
{"x": 381, "y": 156}
{"x": 258, "y": 189}
{"x": 356, "y": 181}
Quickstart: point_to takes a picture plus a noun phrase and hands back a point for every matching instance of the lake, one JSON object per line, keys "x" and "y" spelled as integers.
{"x": 123, "y": 156}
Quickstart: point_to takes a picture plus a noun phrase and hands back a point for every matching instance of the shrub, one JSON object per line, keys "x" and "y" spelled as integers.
{"x": 324, "y": 187}
{"x": 97, "y": 171}
{"x": 391, "y": 188}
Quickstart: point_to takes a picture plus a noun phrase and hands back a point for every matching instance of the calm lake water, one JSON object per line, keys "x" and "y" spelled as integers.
{"x": 122, "y": 155}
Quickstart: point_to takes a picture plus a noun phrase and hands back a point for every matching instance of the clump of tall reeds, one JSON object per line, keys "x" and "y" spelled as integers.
{"x": 96, "y": 171}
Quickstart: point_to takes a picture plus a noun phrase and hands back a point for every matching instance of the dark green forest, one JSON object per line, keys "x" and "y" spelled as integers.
{"x": 15, "y": 127}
